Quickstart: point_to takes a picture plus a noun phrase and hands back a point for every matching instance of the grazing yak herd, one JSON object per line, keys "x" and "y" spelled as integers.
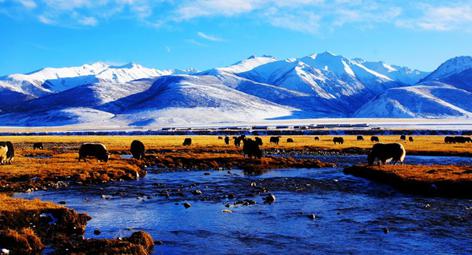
{"x": 380, "y": 152}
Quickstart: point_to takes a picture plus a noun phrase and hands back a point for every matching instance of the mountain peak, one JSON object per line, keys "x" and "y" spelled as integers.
{"x": 450, "y": 67}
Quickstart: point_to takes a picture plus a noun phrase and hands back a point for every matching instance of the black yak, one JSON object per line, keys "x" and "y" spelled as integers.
{"x": 258, "y": 141}
{"x": 137, "y": 149}
{"x": 238, "y": 139}
{"x": 187, "y": 142}
{"x": 403, "y": 137}
{"x": 38, "y": 146}
{"x": 385, "y": 152}
{"x": 317, "y": 138}
{"x": 289, "y": 140}
{"x": 338, "y": 140}
{"x": 410, "y": 139}
{"x": 226, "y": 140}
{"x": 274, "y": 139}
{"x": 374, "y": 139}
{"x": 251, "y": 148}
{"x": 360, "y": 138}
{"x": 97, "y": 150}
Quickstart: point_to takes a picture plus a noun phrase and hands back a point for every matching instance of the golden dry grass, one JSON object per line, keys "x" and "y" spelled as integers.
{"x": 10, "y": 204}
{"x": 428, "y": 173}
{"x": 421, "y": 143}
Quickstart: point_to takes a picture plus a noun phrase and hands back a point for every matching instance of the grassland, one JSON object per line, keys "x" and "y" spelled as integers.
{"x": 57, "y": 166}
{"x": 443, "y": 180}
{"x": 425, "y": 144}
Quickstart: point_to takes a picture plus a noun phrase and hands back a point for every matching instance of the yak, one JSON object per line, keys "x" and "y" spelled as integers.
{"x": 375, "y": 139}
{"x": 410, "y": 138}
{"x": 137, "y": 149}
{"x": 187, "y": 142}
{"x": 238, "y": 139}
{"x": 38, "y": 146}
{"x": 317, "y": 138}
{"x": 274, "y": 139}
{"x": 384, "y": 152}
{"x": 403, "y": 137}
{"x": 258, "y": 141}
{"x": 9, "y": 152}
{"x": 289, "y": 140}
{"x": 360, "y": 138}
{"x": 96, "y": 150}
{"x": 3, "y": 153}
{"x": 338, "y": 140}
{"x": 226, "y": 140}
{"x": 251, "y": 148}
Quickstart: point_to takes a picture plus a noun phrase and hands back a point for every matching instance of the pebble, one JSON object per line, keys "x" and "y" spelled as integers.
{"x": 97, "y": 232}
{"x": 269, "y": 199}
{"x": 386, "y": 230}
{"x": 197, "y": 192}
{"x": 312, "y": 216}
{"x": 187, "y": 205}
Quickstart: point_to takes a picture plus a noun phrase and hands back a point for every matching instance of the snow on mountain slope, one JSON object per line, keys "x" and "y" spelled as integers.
{"x": 450, "y": 67}
{"x": 431, "y": 100}
{"x": 89, "y": 95}
{"x": 185, "y": 98}
{"x": 398, "y": 73}
{"x": 62, "y": 117}
{"x": 462, "y": 80}
{"x": 247, "y": 64}
{"x": 53, "y": 80}
{"x": 305, "y": 103}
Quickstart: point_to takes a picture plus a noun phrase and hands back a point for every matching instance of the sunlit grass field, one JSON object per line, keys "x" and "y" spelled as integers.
{"x": 420, "y": 144}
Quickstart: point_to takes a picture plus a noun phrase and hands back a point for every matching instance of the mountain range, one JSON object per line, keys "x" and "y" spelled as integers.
{"x": 258, "y": 88}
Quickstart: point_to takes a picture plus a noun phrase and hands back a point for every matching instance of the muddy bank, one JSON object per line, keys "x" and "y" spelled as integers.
{"x": 28, "y": 226}
{"x": 432, "y": 180}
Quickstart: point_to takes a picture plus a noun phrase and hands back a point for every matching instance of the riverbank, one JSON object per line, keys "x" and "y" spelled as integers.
{"x": 435, "y": 180}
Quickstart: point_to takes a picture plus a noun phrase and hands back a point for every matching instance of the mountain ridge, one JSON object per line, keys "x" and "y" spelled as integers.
{"x": 256, "y": 88}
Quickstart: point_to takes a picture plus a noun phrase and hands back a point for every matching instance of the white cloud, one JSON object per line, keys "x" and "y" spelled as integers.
{"x": 441, "y": 18}
{"x": 28, "y": 4}
{"x": 307, "y": 16}
{"x": 88, "y": 21}
{"x": 45, "y": 20}
{"x": 209, "y": 37}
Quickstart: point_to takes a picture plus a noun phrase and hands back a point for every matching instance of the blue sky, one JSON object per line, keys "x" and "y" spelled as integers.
{"x": 207, "y": 33}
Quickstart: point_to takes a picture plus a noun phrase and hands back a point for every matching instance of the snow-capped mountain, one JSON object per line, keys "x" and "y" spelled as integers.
{"x": 254, "y": 89}
{"x": 53, "y": 80}
{"x": 394, "y": 72}
{"x": 431, "y": 100}
{"x": 450, "y": 67}
{"x": 446, "y": 92}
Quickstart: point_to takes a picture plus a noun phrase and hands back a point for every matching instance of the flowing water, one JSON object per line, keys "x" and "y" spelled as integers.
{"x": 316, "y": 211}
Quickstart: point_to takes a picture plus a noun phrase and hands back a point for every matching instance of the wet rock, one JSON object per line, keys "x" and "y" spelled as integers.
{"x": 206, "y": 173}
{"x": 227, "y": 211}
{"x": 245, "y": 202}
{"x": 62, "y": 202}
{"x": 253, "y": 184}
{"x": 197, "y": 192}
{"x": 107, "y": 197}
{"x": 231, "y": 196}
{"x": 158, "y": 242}
{"x": 187, "y": 205}
{"x": 386, "y": 230}
{"x": 97, "y": 232}
{"x": 312, "y": 216}
{"x": 269, "y": 199}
